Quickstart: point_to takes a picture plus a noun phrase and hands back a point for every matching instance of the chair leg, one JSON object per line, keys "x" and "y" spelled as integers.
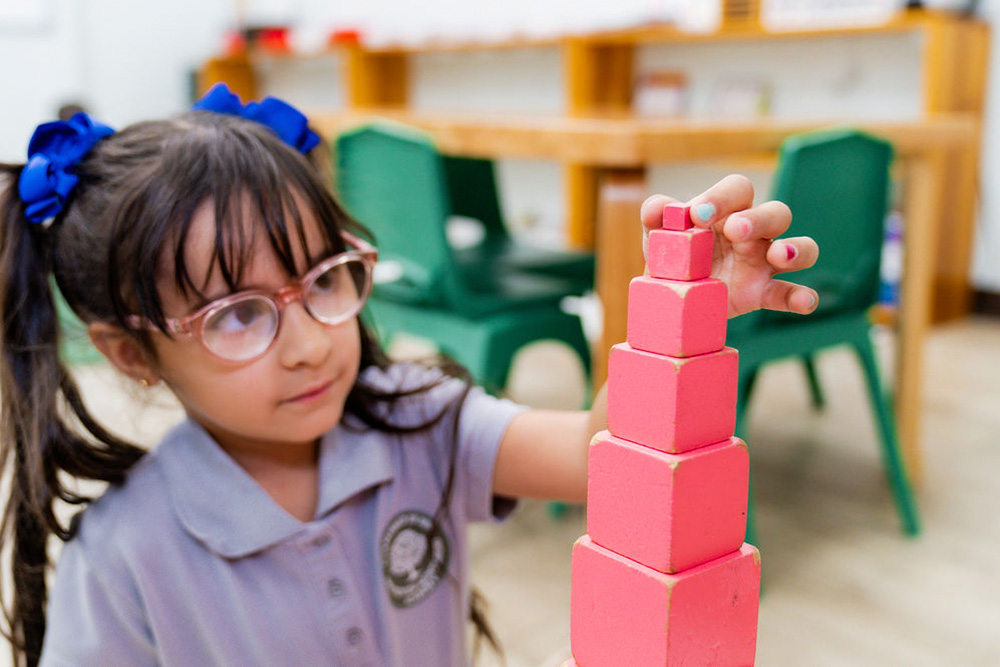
{"x": 557, "y": 509}
{"x": 894, "y": 468}
{"x": 809, "y": 362}
{"x": 747, "y": 380}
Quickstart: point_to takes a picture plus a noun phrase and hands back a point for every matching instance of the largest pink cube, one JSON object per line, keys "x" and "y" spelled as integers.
{"x": 667, "y": 511}
{"x": 669, "y": 403}
{"x": 624, "y": 613}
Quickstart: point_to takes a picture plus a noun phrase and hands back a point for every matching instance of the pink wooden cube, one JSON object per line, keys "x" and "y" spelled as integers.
{"x": 677, "y": 216}
{"x": 677, "y": 318}
{"x": 671, "y": 403}
{"x": 669, "y": 512}
{"x": 624, "y": 613}
{"x": 679, "y": 255}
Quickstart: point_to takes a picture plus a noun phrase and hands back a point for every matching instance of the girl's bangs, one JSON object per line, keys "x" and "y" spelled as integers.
{"x": 258, "y": 194}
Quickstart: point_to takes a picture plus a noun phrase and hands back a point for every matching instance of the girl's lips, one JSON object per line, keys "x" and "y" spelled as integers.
{"x": 314, "y": 392}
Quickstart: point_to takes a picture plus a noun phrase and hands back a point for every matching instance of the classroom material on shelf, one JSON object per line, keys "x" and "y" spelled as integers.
{"x": 447, "y": 23}
{"x": 739, "y": 97}
{"x": 781, "y": 15}
{"x": 891, "y": 266}
{"x": 663, "y": 576}
{"x": 661, "y": 94}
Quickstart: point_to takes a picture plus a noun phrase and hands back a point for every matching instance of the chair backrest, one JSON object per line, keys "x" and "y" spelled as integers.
{"x": 836, "y": 183}
{"x": 392, "y": 180}
{"x": 473, "y": 193}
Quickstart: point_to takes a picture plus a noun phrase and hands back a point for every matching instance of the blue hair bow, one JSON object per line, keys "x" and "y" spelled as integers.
{"x": 288, "y": 122}
{"x": 54, "y": 151}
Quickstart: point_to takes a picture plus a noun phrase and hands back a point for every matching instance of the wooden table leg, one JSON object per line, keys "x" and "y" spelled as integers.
{"x": 619, "y": 254}
{"x": 952, "y": 295}
{"x": 923, "y": 210}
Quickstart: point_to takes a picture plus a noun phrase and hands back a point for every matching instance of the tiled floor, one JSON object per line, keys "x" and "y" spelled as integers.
{"x": 842, "y": 585}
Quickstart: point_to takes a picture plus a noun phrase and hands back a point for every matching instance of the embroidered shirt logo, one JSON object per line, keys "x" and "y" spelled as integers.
{"x": 415, "y": 554}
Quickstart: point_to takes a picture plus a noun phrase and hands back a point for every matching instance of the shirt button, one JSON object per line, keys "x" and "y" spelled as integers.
{"x": 336, "y": 589}
{"x": 354, "y": 636}
{"x": 321, "y": 541}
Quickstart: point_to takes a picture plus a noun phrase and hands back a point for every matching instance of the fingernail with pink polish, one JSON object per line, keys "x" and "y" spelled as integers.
{"x": 743, "y": 228}
{"x": 790, "y": 252}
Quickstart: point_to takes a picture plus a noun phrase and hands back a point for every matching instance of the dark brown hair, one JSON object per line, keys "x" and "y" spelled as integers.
{"x": 133, "y": 206}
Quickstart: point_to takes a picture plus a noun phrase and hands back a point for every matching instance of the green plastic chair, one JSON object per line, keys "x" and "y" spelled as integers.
{"x": 75, "y": 348}
{"x": 472, "y": 192}
{"x": 480, "y": 313}
{"x": 836, "y": 183}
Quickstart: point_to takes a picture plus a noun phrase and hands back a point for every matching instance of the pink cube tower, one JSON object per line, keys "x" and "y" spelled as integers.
{"x": 663, "y": 576}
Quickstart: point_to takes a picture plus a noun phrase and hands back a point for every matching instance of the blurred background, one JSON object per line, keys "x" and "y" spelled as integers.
{"x": 699, "y": 89}
{"x": 126, "y": 61}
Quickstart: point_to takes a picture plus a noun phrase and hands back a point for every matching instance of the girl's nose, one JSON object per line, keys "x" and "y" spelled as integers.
{"x": 302, "y": 340}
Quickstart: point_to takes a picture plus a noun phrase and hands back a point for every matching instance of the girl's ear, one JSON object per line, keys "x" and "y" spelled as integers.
{"x": 124, "y": 352}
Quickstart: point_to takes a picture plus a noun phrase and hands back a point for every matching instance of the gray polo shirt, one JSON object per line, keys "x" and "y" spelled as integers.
{"x": 190, "y": 562}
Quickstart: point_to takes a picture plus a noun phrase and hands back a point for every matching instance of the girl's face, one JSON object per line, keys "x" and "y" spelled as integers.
{"x": 283, "y": 400}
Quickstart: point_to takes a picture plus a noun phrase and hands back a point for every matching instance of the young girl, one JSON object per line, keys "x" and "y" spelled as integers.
{"x": 312, "y": 507}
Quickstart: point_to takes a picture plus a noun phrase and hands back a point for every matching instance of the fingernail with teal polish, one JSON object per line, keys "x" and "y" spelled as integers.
{"x": 705, "y": 211}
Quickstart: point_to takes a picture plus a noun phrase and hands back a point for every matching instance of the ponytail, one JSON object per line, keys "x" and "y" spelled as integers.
{"x": 40, "y": 430}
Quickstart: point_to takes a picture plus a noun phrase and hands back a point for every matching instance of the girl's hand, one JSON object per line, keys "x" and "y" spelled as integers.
{"x": 746, "y": 255}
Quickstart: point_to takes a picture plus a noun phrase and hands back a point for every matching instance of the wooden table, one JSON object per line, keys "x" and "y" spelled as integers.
{"x": 622, "y": 148}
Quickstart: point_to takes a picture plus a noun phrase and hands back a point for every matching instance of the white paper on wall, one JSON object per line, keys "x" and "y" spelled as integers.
{"x": 778, "y": 15}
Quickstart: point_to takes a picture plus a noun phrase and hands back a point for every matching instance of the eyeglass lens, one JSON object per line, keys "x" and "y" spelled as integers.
{"x": 245, "y": 328}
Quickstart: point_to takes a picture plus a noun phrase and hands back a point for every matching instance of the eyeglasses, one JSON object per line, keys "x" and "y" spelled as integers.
{"x": 241, "y": 327}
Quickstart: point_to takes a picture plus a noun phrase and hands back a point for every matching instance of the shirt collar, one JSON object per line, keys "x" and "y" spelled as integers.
{"x": 220, "y": 505}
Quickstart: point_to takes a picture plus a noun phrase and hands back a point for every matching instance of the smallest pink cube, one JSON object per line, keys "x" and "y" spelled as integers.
{"x": 677, "y": 217}
{"x": 679, "y": 255}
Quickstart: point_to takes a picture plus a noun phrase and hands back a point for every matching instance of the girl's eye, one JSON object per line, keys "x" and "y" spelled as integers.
{"x": 327, "y": 281}
{"x": 239, "y": 316}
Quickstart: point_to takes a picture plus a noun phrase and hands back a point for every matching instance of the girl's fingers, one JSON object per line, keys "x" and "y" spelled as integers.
{"x": 767, "y": 221}
{"x": 733, "y": 193}
{"x": 792, "y": 254}
{"x": 788, "y": 297}
{"x": 651, "y": 211}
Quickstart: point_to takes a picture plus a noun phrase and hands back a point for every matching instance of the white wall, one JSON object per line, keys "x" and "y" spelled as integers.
{"x": 43, "y": 67}
{"x": 986, "y": 258}
{"x": 128, "y": 60}
{"x": 123, "y": 60}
